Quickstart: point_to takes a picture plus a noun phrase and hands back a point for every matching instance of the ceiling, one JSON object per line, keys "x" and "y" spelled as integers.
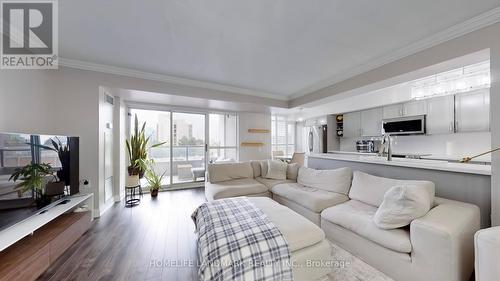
{"x": 278, "y": 47}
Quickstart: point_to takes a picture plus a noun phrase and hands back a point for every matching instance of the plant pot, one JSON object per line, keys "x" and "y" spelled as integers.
{"x": 154, "y": 193}
{"x": 135, "y": 171}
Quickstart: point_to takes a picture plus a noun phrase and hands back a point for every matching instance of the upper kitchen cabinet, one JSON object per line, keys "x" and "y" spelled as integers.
{"x": 392, "y": 111}
{"x": 411, "y": 108}
{"x": 473, "y": 111}
{"x": 440, "y": 115}
{"x": 352, "y": 124}
{"x": 371, "y": 122}
{"x": 414, "y": 108}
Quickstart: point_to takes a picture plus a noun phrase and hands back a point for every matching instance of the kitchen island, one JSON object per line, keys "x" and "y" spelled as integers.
{"x": 463, "y": 182}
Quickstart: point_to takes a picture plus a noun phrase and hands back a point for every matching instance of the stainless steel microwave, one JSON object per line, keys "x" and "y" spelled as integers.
{"x": 409, "y": 125}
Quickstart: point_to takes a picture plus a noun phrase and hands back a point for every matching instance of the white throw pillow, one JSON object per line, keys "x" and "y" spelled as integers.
{"x": 263, "y": 168}
{"x": 338, "y": 180}
{"x": 292, "y": 171}
{"x": 371, "y": 189}
{"x": 276, "y": 169}
{"x": 401, "y": 205}
{"x": 219, "y": 172}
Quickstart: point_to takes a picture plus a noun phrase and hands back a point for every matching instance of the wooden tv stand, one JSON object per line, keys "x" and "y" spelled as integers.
{"x": 29, "y": 257}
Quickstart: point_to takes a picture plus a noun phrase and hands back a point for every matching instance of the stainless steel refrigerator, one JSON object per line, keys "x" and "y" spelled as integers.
{"x": 315, "y": 138}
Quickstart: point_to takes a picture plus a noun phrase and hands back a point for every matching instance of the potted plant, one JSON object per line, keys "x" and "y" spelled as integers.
{"x": 33, "y": 177}
{"x": 63, "y": 153}
{"x": 154, "y": 179}
{"x": 137, "y": 149}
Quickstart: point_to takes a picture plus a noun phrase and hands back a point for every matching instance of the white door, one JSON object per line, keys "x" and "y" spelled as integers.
{"x": 440, "y": 115}
{"x": 352, "y": 124}
{"x": 371, "y": 122}
{"x": 473, "y": 111}
{"x": 392, "y": 111}
{"x": 414, "y": 108}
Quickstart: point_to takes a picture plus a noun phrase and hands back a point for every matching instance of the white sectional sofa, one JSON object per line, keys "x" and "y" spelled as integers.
{"x": 436, "y": 246}
{"x": 241, "y": 179}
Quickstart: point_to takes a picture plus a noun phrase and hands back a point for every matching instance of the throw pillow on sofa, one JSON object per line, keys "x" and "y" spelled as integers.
{"x": 338, "y": 180}
{"x": 292, "y": 171}
{"x": 263, "y": 168}
{"x": 401, "y": 205}
{"x": 276, "y": 169}
{"x": 371, "y": 189}
{"x": 219, "y": 172}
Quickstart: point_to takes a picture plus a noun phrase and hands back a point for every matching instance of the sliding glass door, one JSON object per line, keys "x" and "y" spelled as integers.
{"x": 188, "y": 147}
{"x": 188, "y": 143}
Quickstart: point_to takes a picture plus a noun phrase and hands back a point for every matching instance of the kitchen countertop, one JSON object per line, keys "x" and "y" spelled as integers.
{"x": 481, "y": 159}
{"x": 411, "y": 163}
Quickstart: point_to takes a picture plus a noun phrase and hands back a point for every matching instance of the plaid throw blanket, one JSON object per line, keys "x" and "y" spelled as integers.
{"x": 237, "y": 241}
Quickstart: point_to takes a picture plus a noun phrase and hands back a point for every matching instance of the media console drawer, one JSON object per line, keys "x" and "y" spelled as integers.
{"x": 31, "y": 256}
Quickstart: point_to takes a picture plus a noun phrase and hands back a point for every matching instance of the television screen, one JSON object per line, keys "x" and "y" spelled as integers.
{"x": 35, "y": 170}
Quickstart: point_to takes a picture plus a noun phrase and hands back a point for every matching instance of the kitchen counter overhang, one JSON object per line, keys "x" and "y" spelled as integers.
{"x": 410, "y": 163}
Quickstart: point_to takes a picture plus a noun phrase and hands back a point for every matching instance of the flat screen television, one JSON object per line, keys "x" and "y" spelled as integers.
{"x": 61, "y": 153}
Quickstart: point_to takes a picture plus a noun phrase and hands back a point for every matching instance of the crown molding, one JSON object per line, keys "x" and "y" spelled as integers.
{"x": 483, "y": 20}
{"x": 78, "y": 64}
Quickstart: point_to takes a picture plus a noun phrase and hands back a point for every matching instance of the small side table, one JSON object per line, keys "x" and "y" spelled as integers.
{"x": 132, "y": 197}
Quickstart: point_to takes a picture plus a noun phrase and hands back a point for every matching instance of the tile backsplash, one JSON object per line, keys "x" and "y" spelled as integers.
{"x": 448, "y": 145}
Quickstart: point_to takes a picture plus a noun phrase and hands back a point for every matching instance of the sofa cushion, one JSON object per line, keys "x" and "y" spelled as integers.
{"x": 256, "y": 168}
{"x": 338, "y": 180}
{"x": 220, "y": 172}
{"x": 401, "y": 205}
{"x": 270, "y": 183}
{"x": 292, "y": 171}
{"x": 311, "y": 198}
{"x": 233, "y": 188}
{"x": 298, "y": 231}
{"x": 263, "y": 168}
{"x": 276, "y": 169}
{"x": 371, "y": 189}
{"x": 357, "y": 217}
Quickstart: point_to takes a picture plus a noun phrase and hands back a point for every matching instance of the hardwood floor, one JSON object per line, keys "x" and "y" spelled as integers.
{"x": 152, "y": 241}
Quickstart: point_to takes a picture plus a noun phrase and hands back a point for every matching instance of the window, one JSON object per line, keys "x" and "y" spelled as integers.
{"x": 283, "y": 135}
{"x": 223, "y": 134}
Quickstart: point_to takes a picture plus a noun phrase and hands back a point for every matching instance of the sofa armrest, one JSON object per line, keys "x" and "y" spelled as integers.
{"x": 443, "y": 241}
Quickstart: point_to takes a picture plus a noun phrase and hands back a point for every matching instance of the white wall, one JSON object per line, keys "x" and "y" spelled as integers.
{"x": 53, "y": 102}
{"x": 254, "y": 121}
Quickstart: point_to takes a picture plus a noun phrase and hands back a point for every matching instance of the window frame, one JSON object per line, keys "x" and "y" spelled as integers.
{"x": 224, "y": 147}
{"x": 275, "y": 137}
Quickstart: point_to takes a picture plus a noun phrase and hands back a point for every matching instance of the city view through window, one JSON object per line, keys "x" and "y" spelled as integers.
{"x": 183, "y": 157}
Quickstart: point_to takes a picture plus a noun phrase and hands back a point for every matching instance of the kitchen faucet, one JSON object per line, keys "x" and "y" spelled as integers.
{"x": 386, "y": 142}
